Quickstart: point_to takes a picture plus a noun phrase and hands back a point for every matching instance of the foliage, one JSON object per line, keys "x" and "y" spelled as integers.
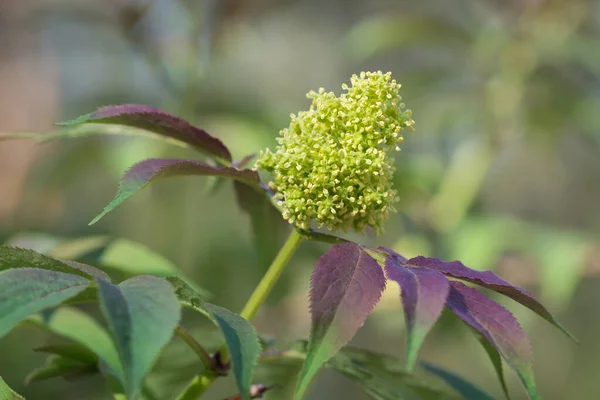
{"x": 144, "y": 311}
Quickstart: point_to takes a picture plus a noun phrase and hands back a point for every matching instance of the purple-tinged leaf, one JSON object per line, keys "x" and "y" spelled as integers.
{"x": 148, "y": 171}
{"x": 390, "y": 252}
{"x": 346, "y": 284}
{"x": 489, "y": 280}
{"x": 244, "y": 161}
{"x": 157, "y": 121}
{"x": 423, "y": 294}
{"x": 498, "y": 326}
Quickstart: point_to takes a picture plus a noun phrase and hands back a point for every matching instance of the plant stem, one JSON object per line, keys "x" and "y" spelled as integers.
{"x": 197, "y": 386}
{"x": 200, "y": 383}
{"x": 261, "y": 292}
{"x": 203, "y": 355}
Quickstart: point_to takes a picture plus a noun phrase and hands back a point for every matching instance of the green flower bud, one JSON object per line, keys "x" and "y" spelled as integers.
{"x": 332, "y": 163}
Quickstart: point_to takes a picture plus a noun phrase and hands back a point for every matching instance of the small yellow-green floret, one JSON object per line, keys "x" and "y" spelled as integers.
{"x": 332, "y": 164}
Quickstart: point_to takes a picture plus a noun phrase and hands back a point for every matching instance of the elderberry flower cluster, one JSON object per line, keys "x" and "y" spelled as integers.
{"x": 332, "y": 163}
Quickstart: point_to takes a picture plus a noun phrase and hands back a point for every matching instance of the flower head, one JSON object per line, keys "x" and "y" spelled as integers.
{"x": 332, "y": 163}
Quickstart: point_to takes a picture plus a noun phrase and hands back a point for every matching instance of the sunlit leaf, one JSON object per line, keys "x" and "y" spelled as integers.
{"x": 37, "y": 241}
{"x": 6, "y": 393}
{"x": 25, "y": 291}
{"x": 81, "y": 328}
{"x": 157, "y": 121}
{"x": 498, "y": 326}
{"x": 423, "y": 294}
{"x": 142, "y": 313}
{"x": 487, "y": 279}
{"x": 148, "y": 171}
{"x": 346, "y": 284}
{"x": 240, "y": 337}
{"x": 468, "y": 390}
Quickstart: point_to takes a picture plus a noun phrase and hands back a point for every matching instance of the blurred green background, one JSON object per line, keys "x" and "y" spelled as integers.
{"x": 503, "y": 171}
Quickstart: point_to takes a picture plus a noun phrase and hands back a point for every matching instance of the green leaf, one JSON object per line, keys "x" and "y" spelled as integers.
{"x": 133, "y": 258}
{"x": 79, "y": 327}
{"x": 468, "y": 390}
{"x": 496, "y": 360}
{"x": 56, "y": 366}
{"x": 381, "y": 376}
{"x": 12, "y": 257}
{"x": 382, "y": 384}
{"x": 78, "y": 248}
{"x": 120, "y": 256}
{"x": 142, "y": 313}
{"x": 26, "y": 291}
{"x": 73, "y": 351}
{"x": 240, "y": 336}
{"x": 6, "y": 393}
{"x": 243, "y": 344}
{"x": 37, "y": 241}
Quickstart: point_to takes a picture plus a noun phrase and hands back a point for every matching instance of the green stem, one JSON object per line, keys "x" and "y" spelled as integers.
{"x": 197, "y": 387}
{"x": 261, "y": 292}
{"x": 203, "y": 355}
{"x": 200, "y": 383}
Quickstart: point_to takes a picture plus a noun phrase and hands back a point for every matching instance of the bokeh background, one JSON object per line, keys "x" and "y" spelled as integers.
{"x": 503, "y": 171}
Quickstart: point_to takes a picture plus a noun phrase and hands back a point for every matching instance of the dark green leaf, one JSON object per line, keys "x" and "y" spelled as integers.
{"x": 26, "y": 291}
{"x": 468, "y": 390}
{"x": 240, "y": 336}
{"x": 142, "y": 313}
{"x": 12, "y": 257}
{"x": 58, "y": 366}
{"x": 73, "y": 351}
{"x": 380, "y": 375}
